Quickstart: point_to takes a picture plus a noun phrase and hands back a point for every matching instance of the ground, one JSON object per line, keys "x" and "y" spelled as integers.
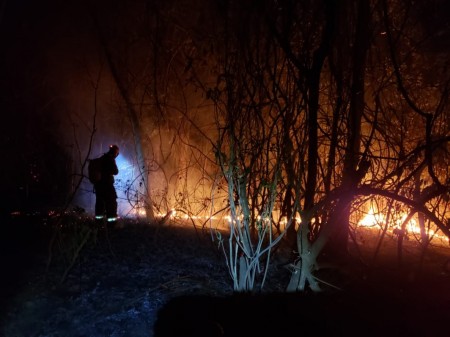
{"x": 123, "y": 278}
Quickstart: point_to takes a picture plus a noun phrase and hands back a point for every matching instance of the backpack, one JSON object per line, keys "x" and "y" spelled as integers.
{"x": 95, "y": 170}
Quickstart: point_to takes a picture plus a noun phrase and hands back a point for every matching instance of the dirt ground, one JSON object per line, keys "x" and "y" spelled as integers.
{"x": 124, "y": 279}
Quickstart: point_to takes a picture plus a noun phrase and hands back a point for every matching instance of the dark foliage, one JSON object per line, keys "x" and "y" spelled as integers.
{"x": 170, "y": 280}
{"x": 348, "y": 313}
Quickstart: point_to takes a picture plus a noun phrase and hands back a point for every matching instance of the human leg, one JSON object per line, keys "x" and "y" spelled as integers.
{"x": 111, "y": 206}
{"x": 100, "y": 204}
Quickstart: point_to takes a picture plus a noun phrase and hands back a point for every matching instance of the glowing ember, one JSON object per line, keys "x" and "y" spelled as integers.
{"x": 377, "y": 220}
{"x": 371, "y": 219}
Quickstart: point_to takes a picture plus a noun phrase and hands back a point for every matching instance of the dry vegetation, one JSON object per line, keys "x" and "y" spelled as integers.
{"x": 121, "y": 280}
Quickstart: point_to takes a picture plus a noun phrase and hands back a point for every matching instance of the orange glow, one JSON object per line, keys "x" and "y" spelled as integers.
{"x": 376, "y": 220}
{"x": 372, "y": 219}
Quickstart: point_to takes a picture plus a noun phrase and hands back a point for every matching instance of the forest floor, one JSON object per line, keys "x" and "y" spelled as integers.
{"x": 126, "y": 279}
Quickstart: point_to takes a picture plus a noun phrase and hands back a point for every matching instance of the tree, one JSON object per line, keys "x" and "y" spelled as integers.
{"x": 290, "y": 117}
{"x": 327, "y": 203}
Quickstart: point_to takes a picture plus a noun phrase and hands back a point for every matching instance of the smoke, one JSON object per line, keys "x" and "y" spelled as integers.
{"x": 127, "y": 184}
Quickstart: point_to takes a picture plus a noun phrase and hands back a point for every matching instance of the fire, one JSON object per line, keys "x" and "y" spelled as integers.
{"x": 374, "y": 219}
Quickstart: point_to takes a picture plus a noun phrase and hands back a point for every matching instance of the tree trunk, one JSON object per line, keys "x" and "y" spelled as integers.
{"x": 134, "y": 120}
{"x": 351, "y": 175}
{"x": 308, "y": 258}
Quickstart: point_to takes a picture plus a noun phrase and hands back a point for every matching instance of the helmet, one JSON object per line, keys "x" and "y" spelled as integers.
{"x": 114, "y": 149}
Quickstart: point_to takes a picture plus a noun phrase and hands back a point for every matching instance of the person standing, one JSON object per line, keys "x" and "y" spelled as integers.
{"x": 105, "y": 192}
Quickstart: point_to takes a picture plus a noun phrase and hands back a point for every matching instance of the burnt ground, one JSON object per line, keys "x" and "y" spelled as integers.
{"x": 125, "y": 278}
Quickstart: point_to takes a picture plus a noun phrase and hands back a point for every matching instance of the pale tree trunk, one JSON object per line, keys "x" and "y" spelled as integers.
{"x": 337, "y": 229}
{"x": 308, "y": 253}
{"x": 421, "y": 218}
